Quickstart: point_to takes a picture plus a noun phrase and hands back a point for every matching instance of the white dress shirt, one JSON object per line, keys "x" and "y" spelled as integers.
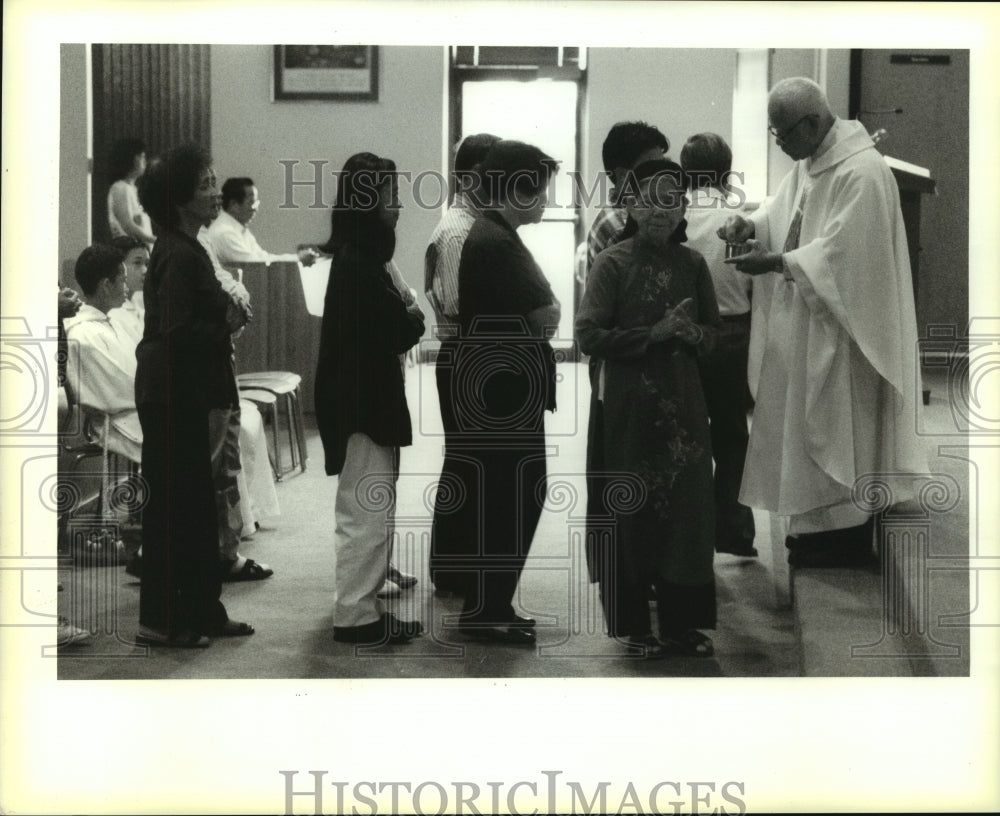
{"x": 234, "y": 243}
{"x": 129, "y": 319}
{"x": 705, "y": 214}
{"x": 101, "y": 370}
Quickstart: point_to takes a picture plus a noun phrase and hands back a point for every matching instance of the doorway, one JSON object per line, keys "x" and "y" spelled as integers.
{"x": 534, "y": 95}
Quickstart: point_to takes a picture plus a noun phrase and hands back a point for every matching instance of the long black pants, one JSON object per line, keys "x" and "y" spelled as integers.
{"x": 500, "y": 407}
{"x": 181, "y": 582}
{"x": 727, "y": 397}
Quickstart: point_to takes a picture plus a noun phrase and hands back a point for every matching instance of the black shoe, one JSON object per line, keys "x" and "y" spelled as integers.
{"x": 497, "y": 634}
{"x": 652, "y": 649}
{"x": 523, "y": 623}
{"x": 447, "y": 584}
{"x": 829, "y": 551}
{"x": 133, "y": 565}
{"x": 740, "y": 546}
{"x": 387, "y": 629}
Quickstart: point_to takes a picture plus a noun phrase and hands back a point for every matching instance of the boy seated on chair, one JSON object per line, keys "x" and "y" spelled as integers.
{"x": 101, "y": 358}
{"x": 101, "y": 372}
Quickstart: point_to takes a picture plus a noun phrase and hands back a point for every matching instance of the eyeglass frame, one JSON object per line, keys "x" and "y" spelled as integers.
{"x": 782, "y": 135}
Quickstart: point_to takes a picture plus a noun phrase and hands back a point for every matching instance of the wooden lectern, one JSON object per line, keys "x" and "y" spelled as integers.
{"x": 283, "y": 334}
{"x": 913, "y": 182}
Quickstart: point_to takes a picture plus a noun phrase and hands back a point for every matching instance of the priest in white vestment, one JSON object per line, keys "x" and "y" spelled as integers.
{"x": 833, "y": 358}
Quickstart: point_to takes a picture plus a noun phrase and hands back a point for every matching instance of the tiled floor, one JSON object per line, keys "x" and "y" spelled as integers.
{"x": 757, "y": 634}
{"x": 291, "y": 611}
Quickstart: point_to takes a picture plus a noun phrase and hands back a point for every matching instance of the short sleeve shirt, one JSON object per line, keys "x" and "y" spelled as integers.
{"x": 498, "y": 277}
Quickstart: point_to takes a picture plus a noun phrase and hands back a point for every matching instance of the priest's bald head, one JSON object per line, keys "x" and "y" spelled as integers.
{"x": 799, "y": 116}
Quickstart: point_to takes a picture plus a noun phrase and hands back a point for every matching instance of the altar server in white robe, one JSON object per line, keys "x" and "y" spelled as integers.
{"x": 833, "y": 355}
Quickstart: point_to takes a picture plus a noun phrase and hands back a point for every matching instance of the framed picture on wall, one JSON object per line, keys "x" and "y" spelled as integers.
{"x": 337, "y": 72}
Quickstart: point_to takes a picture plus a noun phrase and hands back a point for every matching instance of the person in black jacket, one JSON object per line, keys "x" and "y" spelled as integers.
{"x": 183, "y": 372}
{"x": 360, "y": 400}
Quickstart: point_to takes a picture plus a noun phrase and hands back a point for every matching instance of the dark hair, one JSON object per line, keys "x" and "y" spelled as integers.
{"x": 121, "y": 159}
{"x": 513, "y": 169}
{"x": 626, "y": 141}
{"x": 469, "y": 155}
{"x": 473, "y": 150}
{"x": 235, "y": 189}
{"x": 355, "y": 216}
{"x": 707, "y": 160}
{"x": 96, "y": 263}
{"x": 171, "y": 183}
{"x": 126, "y": 243}
{"x": 659, "y": 167}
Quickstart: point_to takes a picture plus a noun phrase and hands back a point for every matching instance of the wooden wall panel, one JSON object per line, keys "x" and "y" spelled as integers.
{"x": 158, "y": 93}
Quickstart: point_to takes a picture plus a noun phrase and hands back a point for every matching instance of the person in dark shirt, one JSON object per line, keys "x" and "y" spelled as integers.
{"x": 504, "y": 383}
{"x": 649, "y": 313}
{"x": 361, "y": 405}
{"x": 183, "y": 372}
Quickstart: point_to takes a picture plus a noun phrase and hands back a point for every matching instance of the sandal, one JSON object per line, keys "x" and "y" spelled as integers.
{"x": 233, "y": 628}
{"x": 251, "y": 571}
{"x": 651, "y": 648}
{"x": 184, "y": 640}
{"x": 691, "y": 643}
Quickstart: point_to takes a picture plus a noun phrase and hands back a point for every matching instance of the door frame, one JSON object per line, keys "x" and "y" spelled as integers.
{"x": 457, "y": 74}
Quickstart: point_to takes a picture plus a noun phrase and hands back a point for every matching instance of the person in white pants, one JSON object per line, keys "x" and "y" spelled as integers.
{"x": 366, "y": 497}
{"x": 361, "y": 408}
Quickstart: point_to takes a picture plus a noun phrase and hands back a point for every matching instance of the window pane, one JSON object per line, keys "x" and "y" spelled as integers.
{"x": 553, "y": 244}
{"x": 542, "y": 113}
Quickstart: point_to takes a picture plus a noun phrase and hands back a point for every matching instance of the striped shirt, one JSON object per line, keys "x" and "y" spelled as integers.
{"x": 604, "y": 232}
{"x": 444, "y": 252}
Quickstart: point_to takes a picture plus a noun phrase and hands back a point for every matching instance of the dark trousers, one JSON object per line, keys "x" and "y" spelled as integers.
{"x": 181, "y": 582}
{"x": 623, "y": 575}
{"x": 454, "y": 532}
{"x": 510, "y": 495}
{"x": 624, "y": 588}
{"x": 727, "y": 397}
{"x": 500, "y": 406}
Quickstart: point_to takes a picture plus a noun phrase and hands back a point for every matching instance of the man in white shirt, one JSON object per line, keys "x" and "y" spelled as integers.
{"x": 707, "y": 160}
{"x": 230, "y": 234}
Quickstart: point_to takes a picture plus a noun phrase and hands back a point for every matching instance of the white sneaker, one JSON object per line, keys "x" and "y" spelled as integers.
{"x": 390, "y": 589}
{"x": 67, "y": 634}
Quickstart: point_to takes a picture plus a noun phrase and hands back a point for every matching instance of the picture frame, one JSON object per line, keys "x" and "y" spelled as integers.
{"x": 347, "y": 73}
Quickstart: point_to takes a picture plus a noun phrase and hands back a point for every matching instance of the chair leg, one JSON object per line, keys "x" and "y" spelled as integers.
{"x": 290, "y": 416}
{"x": 287, "y": 408}
{"x": 300, "y": 428}
{"x": 278, "y": 470}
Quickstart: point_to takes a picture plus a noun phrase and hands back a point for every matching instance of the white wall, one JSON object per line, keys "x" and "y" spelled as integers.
{"x": 795, "y": 62}
{"x": 682, "y": 91}
{"x": 251, "y": 135}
